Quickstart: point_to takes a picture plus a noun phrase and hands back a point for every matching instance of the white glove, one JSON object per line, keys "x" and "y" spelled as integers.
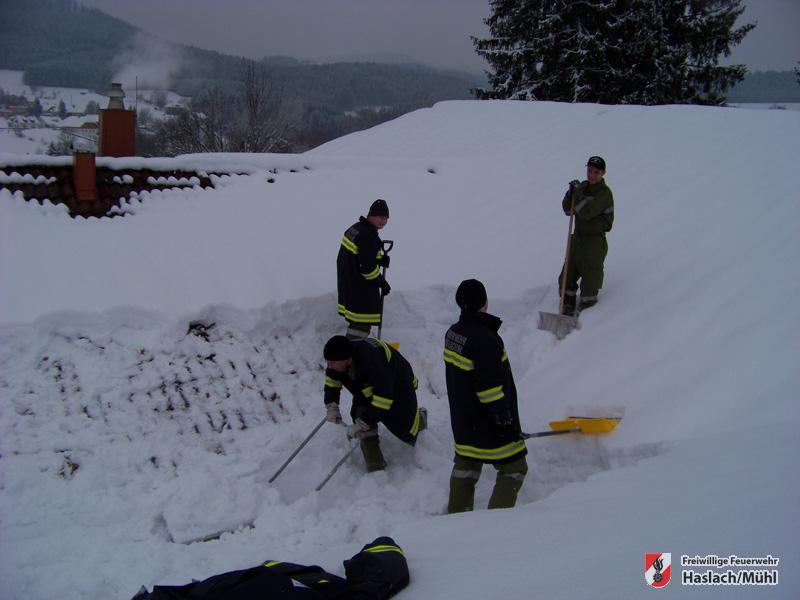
{"x": 333, "y": 414}
{"x": 357, "y": 429}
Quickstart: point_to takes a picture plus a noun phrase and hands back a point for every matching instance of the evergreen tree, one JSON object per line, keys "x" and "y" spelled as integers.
{"x": 62, "y": 110}
{"x": 612, "y": 51}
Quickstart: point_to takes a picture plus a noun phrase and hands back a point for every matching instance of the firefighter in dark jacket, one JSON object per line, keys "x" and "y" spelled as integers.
{"x": 383, "y": 388}
{"x": 594, "y": 216}
{"x": 483, "y": 404}
{"x": 360, "y": 283}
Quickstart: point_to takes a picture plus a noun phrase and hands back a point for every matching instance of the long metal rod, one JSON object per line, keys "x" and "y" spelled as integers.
{"x": 336, "y": 468}
{"x": 305, "y": 441}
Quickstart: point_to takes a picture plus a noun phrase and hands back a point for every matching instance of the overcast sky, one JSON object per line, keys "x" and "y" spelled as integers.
{"x": 434, "y": 32}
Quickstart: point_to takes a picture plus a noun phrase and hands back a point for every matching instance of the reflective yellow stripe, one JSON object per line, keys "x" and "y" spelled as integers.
{"x": 415, "y": 382}
{"x": 381, "y": 402}
{"x": 354, "y": 317}
{"x": 372, "y": 274}
{"x": 490, "y": 453}
{"x": 491, "y": 395}
{"x": 331, "y": 382}
{"x": 505, "y": 355}
{"x": 386, "y": 349}
{"x": 349, "y": 245}
{"x": 455, "y": 359}
{"x": 272, "y": 563}
{"x": 415, "y": 426}
{"x": 367, "y": 391}
{"x": 384, "y": 548}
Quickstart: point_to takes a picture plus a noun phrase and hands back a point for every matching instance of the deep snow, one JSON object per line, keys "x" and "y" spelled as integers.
{"x": 127, "y": 439}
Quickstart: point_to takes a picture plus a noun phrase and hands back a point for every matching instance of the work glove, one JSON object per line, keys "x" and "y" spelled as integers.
{"x": 385, "y": 287}
{"x": 357, "y": 429}
{"x": 333, "y": 414}
{"x": 574, "y": 183}
{"x": 384, "y": 261}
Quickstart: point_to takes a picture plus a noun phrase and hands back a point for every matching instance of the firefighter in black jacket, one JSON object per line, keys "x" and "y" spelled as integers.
{"x": 483, "y": 404}
{"x": 383, "y": 388}
{"x": 358, "y": 276}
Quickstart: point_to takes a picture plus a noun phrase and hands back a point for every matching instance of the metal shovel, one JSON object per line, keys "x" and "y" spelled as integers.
{"x": 562, "y": 324}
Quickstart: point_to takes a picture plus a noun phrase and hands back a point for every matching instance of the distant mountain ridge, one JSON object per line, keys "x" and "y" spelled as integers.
{"x": 63, "y": 43}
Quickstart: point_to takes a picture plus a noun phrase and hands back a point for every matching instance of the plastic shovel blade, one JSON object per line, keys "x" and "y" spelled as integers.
{"x": 559, "y": 325}
{"x": 586, "y": 424}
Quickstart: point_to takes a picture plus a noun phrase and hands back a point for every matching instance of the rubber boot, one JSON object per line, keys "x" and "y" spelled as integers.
{"x": 373, "y": 457}
{"x": 509, "y": 481}
{"x": 463, "y": 479}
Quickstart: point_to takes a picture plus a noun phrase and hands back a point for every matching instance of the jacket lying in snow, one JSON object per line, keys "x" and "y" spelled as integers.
{"x": 379, "y": 571}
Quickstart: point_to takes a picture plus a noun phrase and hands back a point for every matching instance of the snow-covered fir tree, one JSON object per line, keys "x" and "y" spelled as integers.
{"x": 612, "y": 51}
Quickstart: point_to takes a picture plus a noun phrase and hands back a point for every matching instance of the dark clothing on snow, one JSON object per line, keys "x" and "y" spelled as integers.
{"x": 378, "y": 572}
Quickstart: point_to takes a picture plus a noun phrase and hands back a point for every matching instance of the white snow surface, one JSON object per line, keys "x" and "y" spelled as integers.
{"x": 133, "y": 452}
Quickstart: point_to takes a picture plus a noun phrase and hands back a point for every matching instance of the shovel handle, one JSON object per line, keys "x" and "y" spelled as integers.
{"x": 537, "y": 434}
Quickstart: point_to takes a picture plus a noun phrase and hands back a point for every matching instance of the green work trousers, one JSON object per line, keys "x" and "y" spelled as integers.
{"x": 465, "y": 475}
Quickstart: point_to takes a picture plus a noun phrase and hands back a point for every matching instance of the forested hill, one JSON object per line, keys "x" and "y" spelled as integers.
{"x": 63, "y": 43}
{"x": 767, "y": 86}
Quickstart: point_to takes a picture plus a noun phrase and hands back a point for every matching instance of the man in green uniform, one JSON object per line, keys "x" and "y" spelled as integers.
{"x": 483, "y": 404}
{"x": 593, "y": 204}
{"x": 383, "y": 386}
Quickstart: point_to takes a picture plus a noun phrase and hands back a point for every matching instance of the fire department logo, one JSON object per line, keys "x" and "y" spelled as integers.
{"x": 657, "y": 568}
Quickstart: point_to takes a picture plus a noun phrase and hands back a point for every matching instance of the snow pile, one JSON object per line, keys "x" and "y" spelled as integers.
{"x": 156, "y": 369}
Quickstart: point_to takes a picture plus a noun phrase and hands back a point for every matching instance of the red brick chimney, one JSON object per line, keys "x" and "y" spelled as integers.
{"x": 117, "y": 126}
{"x": 84, "y": 176}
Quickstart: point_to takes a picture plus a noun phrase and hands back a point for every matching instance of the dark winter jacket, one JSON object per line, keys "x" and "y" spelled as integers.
{"x": 383, "y": 387}
{"x": 358, "y": 274}
{"x": 378, "y": 572}
{"x": 481, "y": 391}
{"x": 594, "y": 208}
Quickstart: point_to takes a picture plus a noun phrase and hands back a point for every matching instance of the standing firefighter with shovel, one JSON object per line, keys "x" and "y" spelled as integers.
{"x": 361, "y": 283}
{"x": 483, "y": 404}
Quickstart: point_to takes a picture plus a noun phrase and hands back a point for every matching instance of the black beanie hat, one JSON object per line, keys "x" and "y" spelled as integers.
{"x": 379, "y": 208}
{"x": 338, "y": 348}
{"x": 471, "y": 295}
{"x": 597, "y": 162}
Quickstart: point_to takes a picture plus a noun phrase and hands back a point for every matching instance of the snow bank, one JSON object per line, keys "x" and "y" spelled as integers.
{"x": 156, "y": 369}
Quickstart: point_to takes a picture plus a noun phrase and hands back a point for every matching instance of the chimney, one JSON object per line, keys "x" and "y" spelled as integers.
{"x": 117, "y": 126}
{"x": 84, "y": 176}
{"x": 115, "y": 97}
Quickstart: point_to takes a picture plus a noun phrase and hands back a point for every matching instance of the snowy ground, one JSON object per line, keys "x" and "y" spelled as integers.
{"x": 135, "y": 449}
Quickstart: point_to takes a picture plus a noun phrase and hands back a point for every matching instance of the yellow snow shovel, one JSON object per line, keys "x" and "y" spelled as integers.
{"x": 592, "y": 425}
{"x": 562, "y": 324}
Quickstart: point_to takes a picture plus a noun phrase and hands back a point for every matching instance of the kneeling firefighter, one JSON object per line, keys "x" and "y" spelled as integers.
{"x": 383, "y": 386}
